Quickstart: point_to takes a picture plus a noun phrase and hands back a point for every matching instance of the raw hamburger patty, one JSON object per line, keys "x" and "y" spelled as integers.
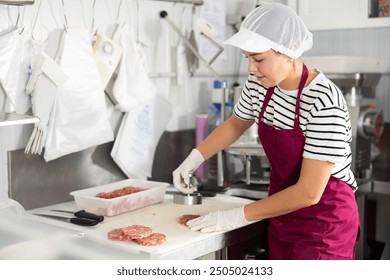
{"x": 117, "y": 234}
{"x": 129, "y": 233}
{"x": 137, "y": 231}
{"x": 185, "y": 218}
{"x": 152, "y": 240}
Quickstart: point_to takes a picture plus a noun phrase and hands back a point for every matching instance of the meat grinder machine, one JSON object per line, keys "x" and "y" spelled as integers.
{"x": 366, "y": 120}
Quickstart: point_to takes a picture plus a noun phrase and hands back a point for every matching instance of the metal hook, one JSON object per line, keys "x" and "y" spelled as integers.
{"x": 65, "y": 19}
{"x": 35, "y": 20}
{"x": 9, "y": 14}
{"x": 119, "y": 9}
{"x": 18, "y": 17}
{"x": 93, "y": 16}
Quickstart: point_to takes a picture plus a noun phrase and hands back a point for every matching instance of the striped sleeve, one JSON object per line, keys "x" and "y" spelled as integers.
{"x": 328, "y": 127}
{"x": 248, "y": 105}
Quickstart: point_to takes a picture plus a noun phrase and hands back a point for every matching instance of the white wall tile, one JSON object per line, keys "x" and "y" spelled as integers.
{"x": 372, "y": 42}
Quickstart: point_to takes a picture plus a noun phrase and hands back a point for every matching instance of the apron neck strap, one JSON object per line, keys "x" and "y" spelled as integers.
{"x": 305, "y": 75}
{"x": 270, "y": 91}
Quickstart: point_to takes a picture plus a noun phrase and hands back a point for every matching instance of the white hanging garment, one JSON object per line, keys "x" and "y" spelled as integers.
{"x": 132, "y": 84}
{"x": 46, "y": 76}
{"x": 138, "y": 136}
{"x": 23, "y": 100}
{"x": 147, "y": 113}
{"x": 79, "y": 117}
{"x": 11, "y": 57}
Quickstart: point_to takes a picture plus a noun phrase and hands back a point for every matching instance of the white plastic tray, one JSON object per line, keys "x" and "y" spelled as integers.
{"x": 86, "y": 199}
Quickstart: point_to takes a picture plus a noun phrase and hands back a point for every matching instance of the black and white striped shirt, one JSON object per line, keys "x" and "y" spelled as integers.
{"x": 323, "y": 118}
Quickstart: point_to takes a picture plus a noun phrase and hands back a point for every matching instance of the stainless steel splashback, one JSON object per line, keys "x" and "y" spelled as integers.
{"x": 36, "y": 183}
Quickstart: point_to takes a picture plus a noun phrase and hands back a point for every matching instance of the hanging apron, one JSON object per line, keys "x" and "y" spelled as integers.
{"x": 326, "y": 230}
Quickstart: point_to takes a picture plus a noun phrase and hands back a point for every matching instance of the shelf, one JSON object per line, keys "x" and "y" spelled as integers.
{"x": 7, "y": 119}
{"x": 378, "y": 22}
{"x": 342, "y": 64}
{"x": 349, "y": 14}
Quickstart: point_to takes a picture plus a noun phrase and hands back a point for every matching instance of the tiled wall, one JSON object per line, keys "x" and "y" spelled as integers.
{"x": 372, "y": 42}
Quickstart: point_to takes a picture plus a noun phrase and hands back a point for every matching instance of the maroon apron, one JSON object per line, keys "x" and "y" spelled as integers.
{"x": 326, "y": 230}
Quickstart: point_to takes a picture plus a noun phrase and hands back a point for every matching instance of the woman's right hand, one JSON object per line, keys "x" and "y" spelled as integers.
{"x": 181, "y": 176}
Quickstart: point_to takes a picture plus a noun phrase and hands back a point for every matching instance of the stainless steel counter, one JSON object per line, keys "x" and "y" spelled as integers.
{"x": 381, "y": 187}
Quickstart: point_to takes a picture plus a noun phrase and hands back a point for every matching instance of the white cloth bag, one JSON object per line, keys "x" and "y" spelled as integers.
{"x": 46, "y": 76}
{"x": 11, "y": 58}
{"x": 138, "y": 136}
{"x": 146, "y": 113}
{"x": 132, "y": 84}
{"x": 79, "y": 118}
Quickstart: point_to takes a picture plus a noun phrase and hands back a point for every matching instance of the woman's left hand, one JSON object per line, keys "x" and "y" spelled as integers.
{"x": 219, "y": 221}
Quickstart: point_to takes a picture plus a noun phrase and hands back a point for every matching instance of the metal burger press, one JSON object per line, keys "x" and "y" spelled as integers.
{"x": 190, "y": 198}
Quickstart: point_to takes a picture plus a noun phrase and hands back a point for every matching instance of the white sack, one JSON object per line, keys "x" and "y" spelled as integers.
{"x": 147, "y": 113}
{"x": 138, "y": 136}
{"x": 11, "y": 58}
{"x": 46, "y": 76}
{"x": 132, "y": 84}
{"x": 79, "y": 118}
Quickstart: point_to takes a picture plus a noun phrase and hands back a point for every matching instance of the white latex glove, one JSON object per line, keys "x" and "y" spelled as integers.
{"x": 219, "y": 221}
{"x": 181, "y": 178}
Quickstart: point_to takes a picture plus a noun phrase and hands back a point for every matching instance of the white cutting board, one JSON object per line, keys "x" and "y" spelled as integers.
{"x": 160, "y": 217}
{"x": 163, "y": 218}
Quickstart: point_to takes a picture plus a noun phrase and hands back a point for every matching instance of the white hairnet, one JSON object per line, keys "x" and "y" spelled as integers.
{"x": 273, "y": 26}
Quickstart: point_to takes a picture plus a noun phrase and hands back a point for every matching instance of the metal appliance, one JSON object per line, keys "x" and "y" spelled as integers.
{"x": 249, "y": 148}
{"x": 367, "y": 127}
{"x": 366, "y": 120}
{"x": 254, "y": 179}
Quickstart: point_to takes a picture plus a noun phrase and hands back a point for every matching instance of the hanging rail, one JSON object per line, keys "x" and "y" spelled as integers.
{"x": 17, "y": 2}
{"x": 193, "y": 2}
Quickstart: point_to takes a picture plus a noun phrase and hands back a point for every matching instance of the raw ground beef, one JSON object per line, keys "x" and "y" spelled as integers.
{"x": 117, "y": 234}
{"x": 137, "y": 231}
{"x": 129, "y": 233}
{"x": 119, "y": 192}
{"x": 142, "y": 235}
{"x": 152, "y": 240}
{"x": 185, "y": 218}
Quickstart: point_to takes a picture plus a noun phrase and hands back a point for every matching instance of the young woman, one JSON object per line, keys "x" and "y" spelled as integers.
{"x": 304, "y": 128}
